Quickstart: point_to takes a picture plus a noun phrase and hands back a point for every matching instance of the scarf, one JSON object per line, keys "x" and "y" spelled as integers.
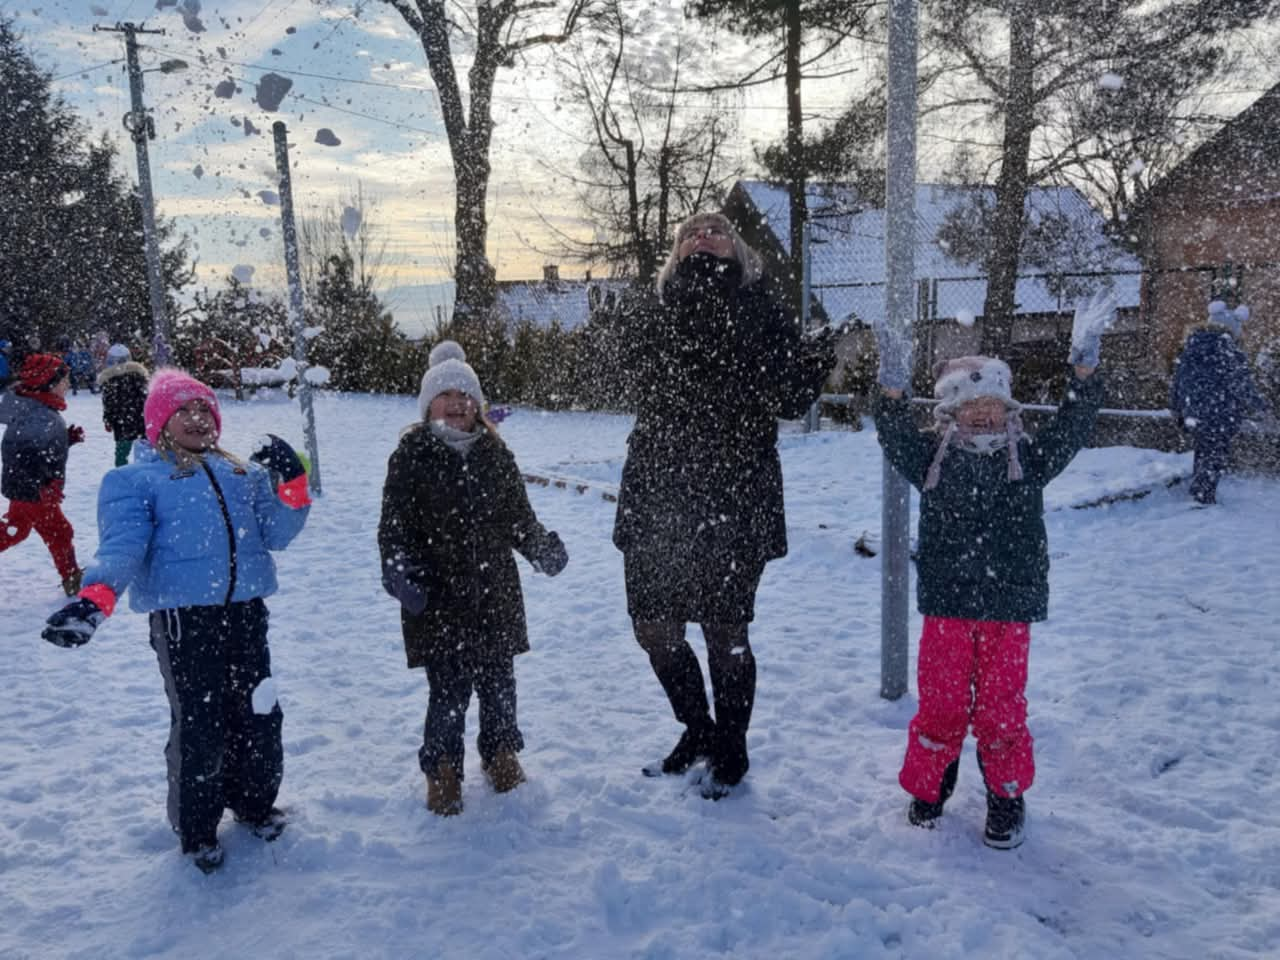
{"x": 47, "y": 397}
{"x": 980, "y": 443}
{"x": 459, "y": 440}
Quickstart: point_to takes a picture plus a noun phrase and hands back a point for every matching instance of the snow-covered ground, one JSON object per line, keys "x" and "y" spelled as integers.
{"x": 1155, "y": 703}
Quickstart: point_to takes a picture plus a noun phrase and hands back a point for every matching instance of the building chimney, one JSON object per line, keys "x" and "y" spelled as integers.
{"x": 551, "y": 274}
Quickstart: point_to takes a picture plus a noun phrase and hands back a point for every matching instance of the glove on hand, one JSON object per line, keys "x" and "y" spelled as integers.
{"x": 550, "y": 556}
{"x": 404, "y": 582}
{"x": 278, "y": 457}
{"x": 1092, "y": 317}
{"x": 75, "y": 434}
{"x": 895, "y": 356}
{"x": 73, "y": 625}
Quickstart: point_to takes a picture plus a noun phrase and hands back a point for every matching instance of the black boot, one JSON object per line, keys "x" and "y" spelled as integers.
{"x": 733, "y": 679}
{"x": 1006, "y": 822}
{"x": 676, "y": 667}
{"x": 922, "y": 813}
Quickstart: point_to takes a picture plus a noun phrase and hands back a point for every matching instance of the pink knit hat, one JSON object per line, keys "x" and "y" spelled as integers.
{"x": 170, "y": 389}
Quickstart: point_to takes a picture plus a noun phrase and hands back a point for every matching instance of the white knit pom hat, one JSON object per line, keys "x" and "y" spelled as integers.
{"x": 448, "y": 374}
{"x": 446, "y": 350}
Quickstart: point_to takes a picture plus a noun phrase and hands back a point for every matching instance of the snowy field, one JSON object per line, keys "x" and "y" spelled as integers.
{"x": 1154, "y": 824}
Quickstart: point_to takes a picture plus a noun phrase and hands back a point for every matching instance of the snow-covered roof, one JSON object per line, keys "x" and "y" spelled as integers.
{"x": 847, "y": 249}
{"x": 542, "y": 302}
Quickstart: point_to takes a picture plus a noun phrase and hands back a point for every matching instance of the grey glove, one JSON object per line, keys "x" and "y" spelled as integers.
{"x": 1093, "y": 316}
{"x": 895, "y": 357}
{"x": 550, "y": 556}
{"x": 403, "y": 581}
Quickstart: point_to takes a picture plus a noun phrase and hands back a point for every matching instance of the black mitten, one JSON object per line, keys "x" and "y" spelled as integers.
{"x": 404, "y": 582}
{"x": 278, "y": 457}
{"x": 550, "y": 557}
{"x": 73, "y": 625}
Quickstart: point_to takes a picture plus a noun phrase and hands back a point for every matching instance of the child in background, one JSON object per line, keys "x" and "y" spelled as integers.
{"x": 1212, "y": 393}
{"x": 187, "y": 529}
{"x": 453, "y": 509}
{"x": 982, "y": 564}
{"x": 124, "y": 394}
{"x": 34, "y": 454}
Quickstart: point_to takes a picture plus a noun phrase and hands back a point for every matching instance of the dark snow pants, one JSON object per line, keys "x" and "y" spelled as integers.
{"x": 1212, "y": 456}
{"x": 225, "y": 748}
{"x": 450, "y": 682}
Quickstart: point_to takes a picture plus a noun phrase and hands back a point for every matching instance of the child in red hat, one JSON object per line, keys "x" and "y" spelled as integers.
{"x": 34, "y": 454}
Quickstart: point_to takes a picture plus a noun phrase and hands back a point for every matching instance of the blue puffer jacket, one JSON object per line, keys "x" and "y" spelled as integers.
{"x": 163, "y": 533}
{"x": 1212, "y": 385}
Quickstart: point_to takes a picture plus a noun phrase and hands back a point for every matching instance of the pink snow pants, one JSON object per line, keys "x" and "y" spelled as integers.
{"x": 970, "y": 672}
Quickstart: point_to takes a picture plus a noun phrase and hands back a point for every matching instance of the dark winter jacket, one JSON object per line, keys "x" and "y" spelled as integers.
{"x": 34, "y": 449}
{"x": 715, "y": 365}
{"x": 124, "y": 394}
{"x": 451, "y": 523}
{"x": 1212, "y": 387}
{"x": 983, "y": 551}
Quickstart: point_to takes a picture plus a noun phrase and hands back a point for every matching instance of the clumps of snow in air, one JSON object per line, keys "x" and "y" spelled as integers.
{"x": 1110, "y": 81}
{"x": 242, "y": 272}
{"x": 351, "y": 218}
{"x": 965, "y": 317}
{"x": 264, "y": 696}
{"x": 269, "y": 197}
{"x": 316, "y": 376}
{"x": 326, "y": 138}
{"x": 271, "y": 89}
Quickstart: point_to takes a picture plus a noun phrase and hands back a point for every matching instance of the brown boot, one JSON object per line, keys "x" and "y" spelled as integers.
{"x": 444, "y": 791}
{"x": 505, "y": 772}
{"x": 71, "y": 582}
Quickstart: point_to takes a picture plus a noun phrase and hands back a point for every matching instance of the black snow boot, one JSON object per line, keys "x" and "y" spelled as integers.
{"x": 1006, "y": 822}
{"x": 676, "y": 667}
{"x": 734, "y": 680}
{"x": 207, "y": 857}
{"x": 267, "y": 827}
{"x": 922, "y": 813}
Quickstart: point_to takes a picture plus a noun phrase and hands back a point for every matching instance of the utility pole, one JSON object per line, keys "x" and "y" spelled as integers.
{"x": 142, "y": 128}
{"x": 297, "y": 317}
{"x": 900, "y": 290}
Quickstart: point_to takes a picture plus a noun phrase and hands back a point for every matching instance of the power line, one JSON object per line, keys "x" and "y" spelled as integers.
{"x": 83, "y": 71}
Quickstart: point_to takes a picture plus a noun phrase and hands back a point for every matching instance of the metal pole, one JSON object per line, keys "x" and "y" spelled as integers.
{"x": 813, "y": 418}
{"x": 297, "y": 318}
{"x": 900, "y": 211}
{"x": 142, "y": 128}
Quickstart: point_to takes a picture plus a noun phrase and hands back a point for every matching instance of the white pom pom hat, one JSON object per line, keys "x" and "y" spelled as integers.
{"x": 958, "y": 381}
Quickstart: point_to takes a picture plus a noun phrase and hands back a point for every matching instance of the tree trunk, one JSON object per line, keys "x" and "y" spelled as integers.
{"x": 1011, "y": 187}
{"x": 795, "y": 155}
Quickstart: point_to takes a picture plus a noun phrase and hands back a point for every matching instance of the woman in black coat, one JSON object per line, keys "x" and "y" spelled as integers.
{"x": 453, "y": 509}
{"x": 716, "y": 362}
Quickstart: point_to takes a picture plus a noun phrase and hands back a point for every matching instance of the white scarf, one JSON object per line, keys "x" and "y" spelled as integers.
{"x": 459, "y": 440}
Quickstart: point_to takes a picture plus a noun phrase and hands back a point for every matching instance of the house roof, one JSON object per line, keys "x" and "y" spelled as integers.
{"x": 848, "y": 260}
{"x": 542, "y": 303}
{"x": 1257, "y": 126}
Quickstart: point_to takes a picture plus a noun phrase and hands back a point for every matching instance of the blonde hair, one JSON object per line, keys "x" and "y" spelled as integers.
{"x": 187, "y": 458}
{"x": 752, "y": 264}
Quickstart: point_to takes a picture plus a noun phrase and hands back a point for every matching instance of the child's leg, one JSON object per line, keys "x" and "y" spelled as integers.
{"x": 122, "y": 452}
{"x": 944, "y": 678}
{"x": 188, "y": 643}
{"x": 56, "y": 531}
{"x": 449, "y": 694}
{"x": 16, "y": 525}
{"x": 495, "y": 684}
{"x": 253, "y": 762}
{"x": 1000, "y": 708}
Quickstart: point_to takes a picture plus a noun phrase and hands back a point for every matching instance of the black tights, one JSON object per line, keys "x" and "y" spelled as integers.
{"x": 732, "y": 666}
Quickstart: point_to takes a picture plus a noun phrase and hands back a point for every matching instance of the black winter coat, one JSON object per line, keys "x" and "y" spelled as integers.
{"x": 124, "y": 395}
{"x": 715, "y": 365}
{"x": 457, "y": 520}
{"x": 984, "y": 552}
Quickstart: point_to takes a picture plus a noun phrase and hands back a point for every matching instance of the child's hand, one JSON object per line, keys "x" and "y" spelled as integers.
{"x": 550, "y": 557}
{"x": 1093, "y": 316}
{"x": 403, "y": 581}
{"x": 75, "y": 434}
{"x": 73, "y": 625}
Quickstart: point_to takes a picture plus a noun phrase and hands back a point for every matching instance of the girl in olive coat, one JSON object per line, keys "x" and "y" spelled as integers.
{"x": 982, "y": 570}
{"x": 453, "y": 509}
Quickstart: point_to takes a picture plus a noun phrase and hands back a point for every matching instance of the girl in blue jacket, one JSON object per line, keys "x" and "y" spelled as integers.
{"x": 187, "y": 529}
